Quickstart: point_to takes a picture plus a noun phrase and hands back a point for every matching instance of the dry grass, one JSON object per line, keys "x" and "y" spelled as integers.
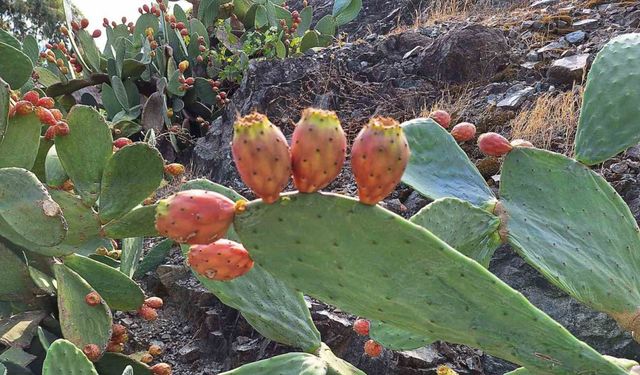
{"x": 550, "y": 118}
{"x": 454, "y": 99}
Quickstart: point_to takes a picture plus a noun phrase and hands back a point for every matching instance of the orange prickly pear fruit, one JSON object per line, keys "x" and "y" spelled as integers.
{"x": 262, "y": 156}
{"x": 493, "y": 144}
{"x": 195, "y": 216}
{"x": 222, "y": 260}
{"x": 379, "y": 156}
{"x": 372, "y": 348}
{"x": 318, "y": 150}
{"x": 464, "y": 131}
{"x": 443, "y": 118}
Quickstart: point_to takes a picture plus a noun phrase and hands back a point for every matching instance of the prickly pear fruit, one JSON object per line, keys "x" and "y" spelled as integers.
{"x": 155, "y": 350}
{"x": 32, "y": 97}
{"x": 318, "y": 150}
{"x": 361, "y": 327}
{"x": 493, "y": 144}
{"x": 222, "y": 260}
{"x": 443, "y": 118}
{"x": 379, "y": 156}
{"x": 23, "y": 107}
{"x": 113, "y": 347}
{"x": 174, "y": 169}
{"x": 148, "y": 313}
{"x": 521, "y": 143}
{"x": 118, "y": 330}
{"x": 262, "y": 156}
{"x": 146, "y": 358}
{"x": 46, "y": 102}
{"x": 372, "y": 348}
{"x": 93, "y": 299}
{"x": 45, "y": 116}
{"x": 62, "y": 128}
{"x": 464, "y": 131}
{"x": 154, "y": 302}
{"x": 56, "y": 113}
{"x": 194, "y": 216}
{"x": 445, "y": 370}
{"x": 121, "y": 142}
{"x": 50, "y": 134}
{"x": 161, "y": 369}
{"x": 92, "y": 351}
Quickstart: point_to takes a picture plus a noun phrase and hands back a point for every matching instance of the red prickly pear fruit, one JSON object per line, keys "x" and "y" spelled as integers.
{"x": 114, "y": 347}
{"x": 24, "y": 107}
{"x": 222, "y": 260}
{"x": 441, "y": 117}
{"x": 84, "y": 23}
{"x": 62, "y": 128}
{"x": 155, "y": 350}
{"x": 148, "y": 313}
{"x": 154, "y": 302}
{"x": 93, "y": 299}
{"x": 118, "y": 330}
{"x": 46, "y": 102}
{"x": 45, "y": 116}
{"x": 92, "y": 351}
{"x": 96, "y": 33}
{"x": 121, "y": 142}
{"x": 379, "y": 156}
{"x": 56, "y": 114}
{"x": 174, "y": 169}
{"x": 521, "y": 143}
{"x": 318, "y": 150}
{"x": 12, "y": 111}
{"x": 75, "y": 26}
{"x": 493, "y": 144}
{"x": 120, "y": 339}
{"x": 464, "y": 131}
{"x": 50, "y": 134}
{"x": 32, "y": 97}
{"x": 195, "y": 217}
{"x": 161, "y": 369}
{"x": 262, "y": 156}
{"x": 372, "y": 348}
{"x": 361, "y": 327}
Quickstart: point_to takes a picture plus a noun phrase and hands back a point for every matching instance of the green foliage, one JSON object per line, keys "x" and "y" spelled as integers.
{"x": 285, "y": 364}
{"x": 64, "y": 358}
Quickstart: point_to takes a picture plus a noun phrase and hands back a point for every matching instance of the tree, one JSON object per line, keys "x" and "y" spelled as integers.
{"x": 40, "y": 18}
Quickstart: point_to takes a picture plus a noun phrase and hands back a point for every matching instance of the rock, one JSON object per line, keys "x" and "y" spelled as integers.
{"x": 514, "y": 100}
{"x": 555, "y": 47}
{"x": 568, "y": 69}
{"x": 586, "y": 24}
{"x": 189, "y": 353}
{"x": 471, "y": 53}
{"x": 576, "y": 37}
{"x": 543, "y": 3}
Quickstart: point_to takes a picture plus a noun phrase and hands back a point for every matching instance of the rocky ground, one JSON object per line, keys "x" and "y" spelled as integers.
{"x": 515, "y": 67}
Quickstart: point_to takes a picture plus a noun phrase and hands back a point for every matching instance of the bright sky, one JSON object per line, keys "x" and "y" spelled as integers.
{"x": 95, "y": 11}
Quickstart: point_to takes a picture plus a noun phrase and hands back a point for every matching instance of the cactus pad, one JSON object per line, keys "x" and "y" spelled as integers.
{"x": 359, "y": 259}
{"x": 118, "y": 291}
{"x": 610, "y": 119}
{"x": 439, "y": 168}
{"x": 286, "y": 364}
{"x": 574, "y": 228}
{"x": 138, "y": 222}
{"x": 5, "y": 95}
{"x": 395, "y": 338}
{"x": 19, "y": 146}
{"x": 116, "y": 363}
{"x": 15, "y": 66}
{"x": 80, "y": 323}
{"x": 15, "y": 283}
{"x": 85, "y": 151}
{"x": 130, "y": 176}
{"x": 64, "y": 358}
{"x": 468, "y": 229}
{"x": 336, "y": 365}
{"x": 54, "y": 172}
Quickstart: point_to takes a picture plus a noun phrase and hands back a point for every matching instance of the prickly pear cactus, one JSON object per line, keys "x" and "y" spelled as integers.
{"x": 286, "y": 364}
{"x": 379, "y": 249}
{"x": 64, "y": 358}
{"x": 609, "y": 117}
{"x": 439, "y": 168}
{"x": 575, "y": 229}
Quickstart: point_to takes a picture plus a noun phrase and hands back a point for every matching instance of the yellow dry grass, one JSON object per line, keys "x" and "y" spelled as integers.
{"x": 550, "y": 117}
{"x": 454, "y": 99}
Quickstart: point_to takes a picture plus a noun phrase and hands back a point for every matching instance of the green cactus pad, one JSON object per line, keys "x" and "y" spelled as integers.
{"x": 90, "y": 51}
{"x": 361, "y": 258}
{"x": 6, "y": 37}
{"x": 4, "y": 107}
{"x": 470, "y": 230}
{"x": 38, "y": 167}
{"x": 336, "y": 365}
{"x": 439, "y": 168}
{"x": 118, "y": 291}
{"x": 115, "y": 363}
{"x": 80, "y": 323}
{"x": 3, "y": 370}
{"x": 132, "y": 249}
{"x": 83, "y": 235}
{"x": 110, "y": 102}
{"x": 574, "y": 228}
{"x": 395, "y": 338}
{"x": 139, "y": 222}
{"x": 154, "y": 258}
{"x": 64, "y": 358}
{"x": 132, "y": 174}
{"x": 626, "y": 364}
{"x": 15, "y": 283}
{"x": 146, "y": 21}
{"x": 285, "y": 364}
{"x": 271, "y": 307}
{"x": 28, "y": 210}
{"x": 15, "y": 66}
{"x": 19, "y": 146}
{"x": 610, "y": 117}
{"x": 85, "y": 151}
{"x": 54, "y": 172}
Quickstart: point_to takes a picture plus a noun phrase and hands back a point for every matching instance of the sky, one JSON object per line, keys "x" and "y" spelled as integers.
{"x": 95, "y": 11}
